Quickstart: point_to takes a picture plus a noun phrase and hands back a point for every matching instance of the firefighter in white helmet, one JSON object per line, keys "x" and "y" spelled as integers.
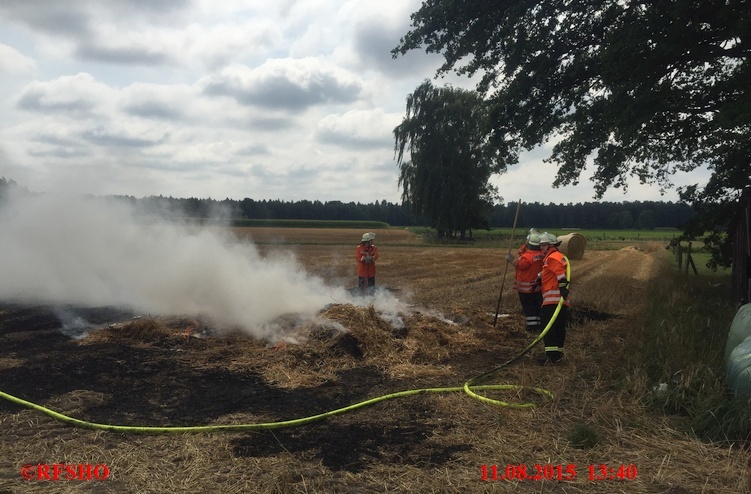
{"x": 555, "y": 284}
{"x": 366, "y": 255}
{"x": 528, "y": 266}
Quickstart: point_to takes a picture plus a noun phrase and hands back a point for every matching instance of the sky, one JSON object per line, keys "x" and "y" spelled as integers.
{"x": 283, "y": 99}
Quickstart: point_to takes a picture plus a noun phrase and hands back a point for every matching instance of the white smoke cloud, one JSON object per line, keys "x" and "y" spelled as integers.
{"x": 64, "y": 249}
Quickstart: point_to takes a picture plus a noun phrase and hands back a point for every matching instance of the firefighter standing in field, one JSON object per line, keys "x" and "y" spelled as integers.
{"x": 528, "y": 267}
{"x": 366, "y": 254}
{"x": 555, "y": 284}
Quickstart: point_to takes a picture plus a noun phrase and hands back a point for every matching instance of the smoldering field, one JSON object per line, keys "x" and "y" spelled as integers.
{"x": 68, "y": 250}
{"x": 148, "y": 372}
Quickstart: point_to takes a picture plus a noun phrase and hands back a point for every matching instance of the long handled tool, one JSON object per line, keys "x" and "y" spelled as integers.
{"x": 505, "y": 269}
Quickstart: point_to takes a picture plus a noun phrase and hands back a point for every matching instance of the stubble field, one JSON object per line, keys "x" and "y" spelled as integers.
{"x": 153, "y": 371}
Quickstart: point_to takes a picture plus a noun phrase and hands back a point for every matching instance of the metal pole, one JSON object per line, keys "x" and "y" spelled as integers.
{"x": 505, "y": 269}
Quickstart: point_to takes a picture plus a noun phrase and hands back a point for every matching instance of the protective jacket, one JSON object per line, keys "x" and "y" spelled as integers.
{"x": 553, "y": 273}
{"x": 528, "y": 267}
{"x": 366, "y": 257}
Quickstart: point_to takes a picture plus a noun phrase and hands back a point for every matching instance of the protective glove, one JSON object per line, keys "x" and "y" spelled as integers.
{"x": 563, "y": 287}
{"x": 510, "y": 258}
{"x": 537, "y": 284}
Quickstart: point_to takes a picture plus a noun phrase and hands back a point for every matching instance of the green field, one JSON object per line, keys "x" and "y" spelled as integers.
{"x": 271, "y": 223}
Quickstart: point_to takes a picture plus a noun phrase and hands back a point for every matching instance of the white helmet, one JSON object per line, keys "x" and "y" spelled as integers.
{"x": 533, "y": 230}
{"x": 368, "y": 236}
{"x": 549, "y": 238}
{"x": 533, "y": 239}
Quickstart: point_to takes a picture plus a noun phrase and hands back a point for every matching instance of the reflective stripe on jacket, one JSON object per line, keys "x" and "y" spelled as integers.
{"x": 528, "y": 268}
{"x": 553, "y": 271}
{"x": 366, "y": 269}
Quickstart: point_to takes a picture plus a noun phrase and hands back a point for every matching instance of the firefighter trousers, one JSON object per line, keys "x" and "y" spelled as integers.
{"x": 556, "y": 335}
{"x": 531, "y": 307}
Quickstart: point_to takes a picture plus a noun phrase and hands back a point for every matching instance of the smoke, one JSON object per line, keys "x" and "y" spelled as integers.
{"x": 74, "y": 325}
{"x": 95, "y": 252}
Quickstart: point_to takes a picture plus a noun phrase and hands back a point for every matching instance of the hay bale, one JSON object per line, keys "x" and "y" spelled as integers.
{"x": 740, "y": 329}
{"x": 573, "y": 245}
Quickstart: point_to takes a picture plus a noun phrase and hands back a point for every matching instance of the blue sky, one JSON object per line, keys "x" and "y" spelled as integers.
{"x": 287, "y": 99}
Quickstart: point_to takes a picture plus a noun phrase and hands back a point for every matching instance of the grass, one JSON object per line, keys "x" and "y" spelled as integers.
{"x": 700, "y": 258}
{"x": 594, "y": 234}
{"x": 682, "y": 344}
{"x": 583, "y": 436}
{"x": 310, "y": 223}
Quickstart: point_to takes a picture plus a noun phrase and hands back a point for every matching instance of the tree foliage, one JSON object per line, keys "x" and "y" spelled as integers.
{"x": 591, "y": 215}
{"x": 639, "y": 88}
{"x": 588, "y": 215}
{"x": 445, "y": 158}
{"x": 646, "y": 220}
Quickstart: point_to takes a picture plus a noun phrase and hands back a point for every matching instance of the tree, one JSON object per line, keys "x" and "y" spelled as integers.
{"x": 646, "y": 220}
{"x": 642, "y": 88}
{"x": 446, "y": 159}
{"x": 625, "y": 220}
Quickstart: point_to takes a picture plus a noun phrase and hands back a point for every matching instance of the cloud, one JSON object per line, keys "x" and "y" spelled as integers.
{"x": 49, "y": 145}
{"x": 126, "y": 55}
{"x": 76, "y": 96}
{"x": 126, "y": 32}
{"x": 223, "y": 44}
{"x": 270, "y": 124}
{"x": 190, "y": 121}
{"x": 253, "y": 150}
{"x": 104, "y": 137}
{"x": 155, "y": 109}
{"x": 278, "y": 100}
{"x": 157, "y": 101}
{"x": 358, "y": 129}
{"x": 13, "y": 61}
{"x": 532, "y": 181}
{"x": 371, "y": 31}
{"x": 373, "y": 40}
{"x": 55, "y": 18}
{"x": 59, "y": 152}
{"x": 289, "y": 84}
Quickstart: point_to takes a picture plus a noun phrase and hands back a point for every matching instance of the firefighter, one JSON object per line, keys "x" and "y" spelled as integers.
{"x": 528, "y": 266}
{"x": 366, "y": 254}
{"x": 554, "y": 285}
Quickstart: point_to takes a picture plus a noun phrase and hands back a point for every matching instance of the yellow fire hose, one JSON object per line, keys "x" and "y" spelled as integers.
{"x": 468, "y": 388}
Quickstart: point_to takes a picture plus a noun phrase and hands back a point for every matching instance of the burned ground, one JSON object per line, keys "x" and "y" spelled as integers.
{"x": 172, "y": 371}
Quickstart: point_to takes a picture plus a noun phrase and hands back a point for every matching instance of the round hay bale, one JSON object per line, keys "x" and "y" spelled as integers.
{"x": 740, "y": 329}
{"x": 573, "y": 245}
